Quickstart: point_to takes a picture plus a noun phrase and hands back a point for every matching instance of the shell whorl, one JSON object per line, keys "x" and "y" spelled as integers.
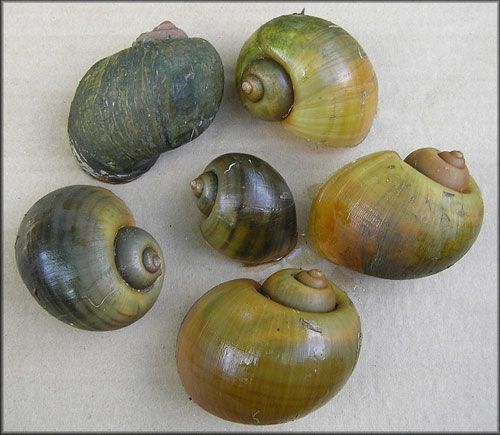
{"x": 65, "y": 254}
{"x": 205, "y": 190}
{"x": 249, "y": 209}
{"x": 334, "y": 85}
{"x": 239, "y": 352}
{"x": 268, "y": 88}
{"x": 165, "y": 30}
{"x": 446, "y": 167}
{"x": 305, "y": 290}
{"x": 138, "y": 257}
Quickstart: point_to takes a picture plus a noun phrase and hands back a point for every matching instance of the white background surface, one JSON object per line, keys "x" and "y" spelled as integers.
{"x": 429, "y": 354}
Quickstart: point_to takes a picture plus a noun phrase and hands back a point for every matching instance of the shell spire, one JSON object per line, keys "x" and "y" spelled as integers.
{"x": 137, "y": 257}
{"x": 446, "y": 167}
{"x": 165, "y": 30}
{"x": 306, "y": 290}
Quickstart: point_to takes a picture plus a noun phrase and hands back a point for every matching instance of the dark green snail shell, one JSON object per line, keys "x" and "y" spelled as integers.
{"x": 74, "y": 252}
{"x": 250, "y": 210}
{"x": 142, "y": 101}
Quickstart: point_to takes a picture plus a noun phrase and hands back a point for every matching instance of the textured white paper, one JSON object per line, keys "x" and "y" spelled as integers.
{"x": 429, "y": 354}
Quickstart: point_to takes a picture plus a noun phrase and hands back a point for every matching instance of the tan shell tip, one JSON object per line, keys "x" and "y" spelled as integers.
{"x": 454, "y": 158}
{"x": 197, "y": 187}
{"x": 164, "y": 30}
{"x": 151, "y": 260}
{"x": 312, "y": 278}
{"x": 246, "y": 88}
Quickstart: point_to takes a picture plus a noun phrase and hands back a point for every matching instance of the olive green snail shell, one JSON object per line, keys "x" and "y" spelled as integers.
{"x": 161, "y": 93}
{"x": 249, "y": 209}
{"x": 83, "y": 260}
{"x": 268, "y": 354}
{"x": 312, "y": 76}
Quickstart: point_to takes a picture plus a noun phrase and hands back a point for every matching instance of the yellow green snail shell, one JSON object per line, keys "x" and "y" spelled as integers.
{"x": 249, "y": 210}
{"x": 83, "y": 260}
{"x": 386, "y": 217}
{"x": 268, "y": 354}
{"x": 313, "y": 76}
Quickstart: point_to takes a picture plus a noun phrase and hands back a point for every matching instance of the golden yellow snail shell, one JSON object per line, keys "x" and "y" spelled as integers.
{"x": 397, "y": 219}
{"x": 270, "y": 353}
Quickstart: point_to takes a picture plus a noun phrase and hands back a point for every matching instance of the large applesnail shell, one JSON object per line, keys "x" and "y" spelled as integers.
{"x": 380, "y": 216}
{"x": 142, "y": 101}
{"x": 68, "y": 256}
{"x": 333, "y": 84}
{"x": 246, "y": 358}
{"x": 250, "y": 210}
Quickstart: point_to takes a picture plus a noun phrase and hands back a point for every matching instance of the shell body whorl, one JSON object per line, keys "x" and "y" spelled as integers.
{"x": 66, "y": 256}
{"x": 380, "y": 216}
{"x": 335, "y": 89}
{"x": 142, "y": 101}
{"x": 246, "y": 358}
{"x": 249, "y": 208}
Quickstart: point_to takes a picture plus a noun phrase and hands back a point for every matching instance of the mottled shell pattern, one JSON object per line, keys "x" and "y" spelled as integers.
{"x": 246, "y": 357}
{"x": 249, "y": 209}
{"x": 80, "y": 255}
{"x": 335, "y": 89}
{"x": 144, "y": 100}
{"x": 380, "y": 216}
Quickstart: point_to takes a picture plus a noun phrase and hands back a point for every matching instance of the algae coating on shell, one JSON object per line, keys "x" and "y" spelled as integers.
{"x": 331, "y": 80}
{"x": 142, "y": 101}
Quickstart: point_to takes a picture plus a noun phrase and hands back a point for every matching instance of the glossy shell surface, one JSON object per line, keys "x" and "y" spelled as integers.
{"x": 65, "y": 253}
{"x": 379, "y": 216}
{"x": 249, "y": 359}
{"x": 253, "y": 216}
{"x": 334, "y": 84}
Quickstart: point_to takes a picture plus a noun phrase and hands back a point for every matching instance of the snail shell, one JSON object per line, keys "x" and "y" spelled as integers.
{"x": 268, "y": 354}
{"x": 249, "y": 209}
{"x": 313, "y": 76}
{"x": 83, "y": 260}
{"x": 397, "y": 219}
{"x": 161, "y": 93}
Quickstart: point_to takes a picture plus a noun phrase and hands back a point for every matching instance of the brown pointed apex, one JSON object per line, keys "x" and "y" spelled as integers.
{"x": 197, "y": 186}
{"x": 454, "y": 158}
{"x": 446, "y": 168}
{"x": 151, "y": 260}
{"x": 165, "y": 30}
{"x": 312, "y": 278}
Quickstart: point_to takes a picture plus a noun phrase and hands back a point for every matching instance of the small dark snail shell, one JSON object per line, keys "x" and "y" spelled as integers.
{"x": 249, "y": 209}
{"x": 397, "y": 219}
{"x": 311, "y": 75}
{"x": 268, "y": 354}
{"x": 161, "y": 93}
{"x": 83, "y": 260}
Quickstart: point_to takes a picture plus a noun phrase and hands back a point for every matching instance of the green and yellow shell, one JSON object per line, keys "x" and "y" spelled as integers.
{"x": 313, "y": 76}
{"x": 397, "y": 219}
{"x": 268, "y": 354}
{"x": 83, "y": 260}
{"x": 161, "y": 93}
{"x": 249, "y": 209}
